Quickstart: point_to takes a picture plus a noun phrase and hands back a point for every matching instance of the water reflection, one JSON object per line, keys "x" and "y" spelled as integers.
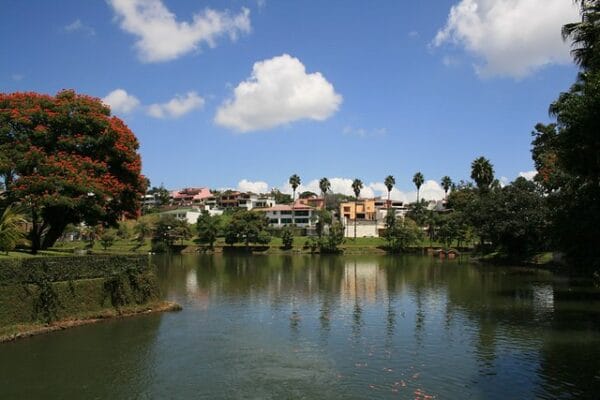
{"x": 351, "y": 327}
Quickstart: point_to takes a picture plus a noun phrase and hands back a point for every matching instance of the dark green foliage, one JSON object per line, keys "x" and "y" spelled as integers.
{"x": 330, "y": 242}
{"x": 287, "y": 238}
{"x": 142, "y": 229}
{"x": 107, "y": 239}
{"x": 482, "y": 172}
{"x": 324, "y": 219}
{"x": 401, "y": 233}
{"x": 511, "y": 220}
{"x": 57, "y": 269}
{"x": 281, "y": 198}
{"x": 566, "y": 154}
{"x": 46, "y": 303}
{"x": 247, "y": 227}
{"x": 161, "y": 195}
{"x": 169, "y": 229}
{"x": 209, "y": 228}
{"x": 418, "y": 213}
{"x": 51, "y": 288}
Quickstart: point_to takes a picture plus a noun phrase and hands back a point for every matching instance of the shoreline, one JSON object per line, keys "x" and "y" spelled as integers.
{"x": 23, "y": 331}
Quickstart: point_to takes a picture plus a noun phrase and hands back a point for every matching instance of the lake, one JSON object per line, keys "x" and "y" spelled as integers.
{"x": 310, "y": 327}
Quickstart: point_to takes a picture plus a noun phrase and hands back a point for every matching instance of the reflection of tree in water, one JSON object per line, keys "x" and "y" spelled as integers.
{"x": 570, "y": 353}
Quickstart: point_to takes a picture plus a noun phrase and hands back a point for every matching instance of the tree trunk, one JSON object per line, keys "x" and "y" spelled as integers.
{"x": 55, "y": 232}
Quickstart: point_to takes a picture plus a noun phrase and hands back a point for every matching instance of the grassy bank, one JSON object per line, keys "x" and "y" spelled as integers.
{"x": 24, "y": 330}
{"x": 40, "y": 294}
{"x": 366, "y": 245}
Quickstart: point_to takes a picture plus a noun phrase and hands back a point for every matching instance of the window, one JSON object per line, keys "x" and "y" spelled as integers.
{"x": 274, "y": 221}
{"x": 302, "y": 213}
{"x": 302, "y": 220}
{"x": 346, "y": 209}
{"x": 286, "y": 213}
{"x": 286, "y": 220}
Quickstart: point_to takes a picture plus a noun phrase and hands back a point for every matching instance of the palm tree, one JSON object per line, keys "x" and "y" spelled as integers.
{"x": 446, "y": 184}
{"x": 584, "y": 35}
{"x": 389, "y": 184}
{"x": 482, "y": 172}
{"x": 357, "y": 185}
{"x": 294, "y": 183}
{"x": 418, "y": 180}
{"x": 10, "y": 232}
{"x": 325, "y": 186}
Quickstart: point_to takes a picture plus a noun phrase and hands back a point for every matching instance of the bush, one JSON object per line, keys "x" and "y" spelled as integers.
{"x": 287, "y": 238}
{"x": 58, "y": 269}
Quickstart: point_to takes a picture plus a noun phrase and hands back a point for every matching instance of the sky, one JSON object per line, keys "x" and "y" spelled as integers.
{"x": 244, "y": 93}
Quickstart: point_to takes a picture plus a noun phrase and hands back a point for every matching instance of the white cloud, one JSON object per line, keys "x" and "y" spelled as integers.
{"x": 430, "y": 190}
{"x": 177, "y": 106}
{"x": 529, "y": 175}
{"x": 363, "y": 133}
{"x": 255, "y": 187}
{"x": 162, "y": 38}
{"x": 279, "y": 91}
{"x": 121, "y": 102}
{"x": 78, "y": 26}
{"x": 510, "y": 37}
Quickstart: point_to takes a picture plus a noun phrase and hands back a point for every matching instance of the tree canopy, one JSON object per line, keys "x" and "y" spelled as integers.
{"x": 65, "y": 159}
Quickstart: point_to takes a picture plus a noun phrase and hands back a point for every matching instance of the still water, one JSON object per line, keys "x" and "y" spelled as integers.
{"x": 302, "y": 327}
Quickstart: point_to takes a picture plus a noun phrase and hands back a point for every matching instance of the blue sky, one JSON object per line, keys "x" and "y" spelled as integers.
{"x": 341, "y": 89}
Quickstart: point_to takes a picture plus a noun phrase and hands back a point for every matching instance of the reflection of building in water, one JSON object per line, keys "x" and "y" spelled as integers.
{"x": 193, "y": 291}
{"x": 543, "y": 299}
{"x": 363, "y": 280}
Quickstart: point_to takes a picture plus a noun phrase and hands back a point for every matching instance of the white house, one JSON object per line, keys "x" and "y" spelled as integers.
{"x": 280, "y": 215}
{"x": 184, "y": 214}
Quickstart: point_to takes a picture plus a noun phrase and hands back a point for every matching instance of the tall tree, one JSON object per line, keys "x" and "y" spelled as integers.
{"x": 482, "y": 172}
{"x": 418, "y": 180}
{"x": 65, "y": 159}
{"x": 357, "y": 185}
{"x": 208, "y": 228}
{"x": 389, "y": 184}
{"x": 566, "y": 153}
{"x": 294, "y": 183}
{"x": 585, "y": 36}
{"x": 446, "y": 184}
{"x": 325, "y": 187}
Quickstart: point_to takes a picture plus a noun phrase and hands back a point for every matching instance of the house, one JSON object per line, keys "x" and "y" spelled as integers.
{"x": 190, "y": 196}
{"x": 365, "y": 216}
{"x": 313, "y": 201}
{"x": 190, "y": 215}
{"x": 382, "y": 206}
{"x": 280, "y": 215}
{"x": 248, "y": 201}
{"x": 362, "y": 209}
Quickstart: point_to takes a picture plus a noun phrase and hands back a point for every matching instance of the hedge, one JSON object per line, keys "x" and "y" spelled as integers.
{"x": 59, "y": 269}
{"x": 46, "y": 289}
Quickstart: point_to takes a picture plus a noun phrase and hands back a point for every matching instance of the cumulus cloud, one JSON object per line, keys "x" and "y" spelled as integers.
{"x": 529, "y": 175}
{"x": 255, "y": 187}
{"x": 510, "y": 37}
{"x": 160, "y": 37}
{"x": 177, "y": 106}
{"x": 430, "y": 190}
{"x": 78, "y": 26}
{"x": 279, "y": 91}
{"x": 121, "y": 102}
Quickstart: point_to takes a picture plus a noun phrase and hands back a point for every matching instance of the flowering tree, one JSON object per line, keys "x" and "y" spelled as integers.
{"x": 67, "y": 160}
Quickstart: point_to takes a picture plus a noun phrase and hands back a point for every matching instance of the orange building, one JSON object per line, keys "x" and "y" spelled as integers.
{"x": 362, "y": 209}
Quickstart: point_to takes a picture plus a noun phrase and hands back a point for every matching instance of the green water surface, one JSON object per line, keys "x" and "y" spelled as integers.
{"x": 309, "y": 327}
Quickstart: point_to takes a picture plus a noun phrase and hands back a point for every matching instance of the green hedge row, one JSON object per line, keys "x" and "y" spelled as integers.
{"x": 59, "y": 269}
